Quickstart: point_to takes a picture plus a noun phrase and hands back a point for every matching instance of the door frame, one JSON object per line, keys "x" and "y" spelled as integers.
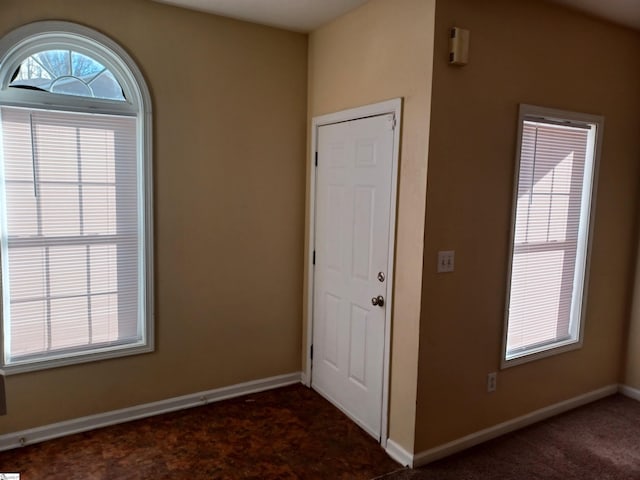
{"x": 394, "y": 107}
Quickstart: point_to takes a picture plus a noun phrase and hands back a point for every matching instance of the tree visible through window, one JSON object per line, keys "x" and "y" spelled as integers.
{"x": 75, "y": 210}
{"x": 67, "y": 72}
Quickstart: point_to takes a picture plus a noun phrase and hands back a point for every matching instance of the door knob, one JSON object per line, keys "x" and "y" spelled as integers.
{"x": 378, "y": 301}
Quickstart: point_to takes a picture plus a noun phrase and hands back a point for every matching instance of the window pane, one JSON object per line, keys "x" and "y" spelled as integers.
{"x": 84, "y": 67}
{"x": 69, "y": 322}
{"x": 538, "y": 219}
{"x": 57, "y": 63}
{"x": 104, "y": 269}
{"x": 18, "y": 158}
{"x": 69, "y": 73}
{"x": 97, "y": 154}
{"x": 560, "y": 220}
{"x": 104, "y": 318}
{"x": 70, "y": 86}
{"x": 99, "y": 210}
{"x": 60, "y": 207}
{"x": 32, "y": 73}
{"x": 22, "y": 214}
{"x": 106, "y": 86}
{"x": 68, "y": 271}
{"x": 28, "y": 328}
{"x": 56, "y": 150}
{"x": 536, "y": 299}
{"x": 27, "y": 278}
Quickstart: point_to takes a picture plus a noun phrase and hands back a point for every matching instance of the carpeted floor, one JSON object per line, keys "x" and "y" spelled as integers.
{"x": 288, "y": 433}
{"x": 600, "y": 441}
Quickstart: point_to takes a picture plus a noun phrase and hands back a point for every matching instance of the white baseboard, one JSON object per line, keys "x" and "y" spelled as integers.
{"x": 463, "y": 443}
{"x": 630, "y": 392}
{"x": 399, "y": 454}
{"x": 393, "y": 449}
{"x": 69, "y": 427}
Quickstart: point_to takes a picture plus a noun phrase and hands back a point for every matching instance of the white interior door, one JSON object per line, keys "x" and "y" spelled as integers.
{"x": 353, "y": 205}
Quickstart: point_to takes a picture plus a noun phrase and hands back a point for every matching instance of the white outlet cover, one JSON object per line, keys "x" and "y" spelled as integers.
{"x": 492, "y": 380}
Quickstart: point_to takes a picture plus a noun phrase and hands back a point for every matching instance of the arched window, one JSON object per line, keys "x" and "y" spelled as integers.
{"x": 69, "y": 73}
{"x": 75, "y": 199}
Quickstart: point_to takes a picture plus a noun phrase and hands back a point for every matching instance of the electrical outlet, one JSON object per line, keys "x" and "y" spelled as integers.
{"x": 446, "y": 261}
{"x": 491, "y": 382}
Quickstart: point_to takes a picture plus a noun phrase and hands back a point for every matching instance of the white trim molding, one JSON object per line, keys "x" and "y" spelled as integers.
{"x": 91, "y": 422}
{"x": 399, "y": 454}
{"x": 441, "y": 451}
{"x": 630, "y": 392}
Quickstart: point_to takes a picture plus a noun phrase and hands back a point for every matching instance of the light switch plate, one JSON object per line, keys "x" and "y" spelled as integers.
{"x": 446, "y": 261}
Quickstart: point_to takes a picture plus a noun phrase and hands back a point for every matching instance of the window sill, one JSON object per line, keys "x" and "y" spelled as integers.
{"x": 541, "y": 352}
{"x": 37, "y": 365}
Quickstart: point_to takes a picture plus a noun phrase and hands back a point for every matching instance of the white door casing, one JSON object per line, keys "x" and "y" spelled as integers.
{"x": 354, "y": 204}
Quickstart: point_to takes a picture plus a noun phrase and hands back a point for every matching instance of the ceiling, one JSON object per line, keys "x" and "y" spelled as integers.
{"x": 297, "y": 15}
{"x": 307, "y": 15}
{"x": 624, "y": 12}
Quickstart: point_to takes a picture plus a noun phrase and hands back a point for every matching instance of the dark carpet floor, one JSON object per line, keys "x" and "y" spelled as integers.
{"x": 292, "y": 433}
{"x": 288, "y": 433}
{"x": 600, "y": 441}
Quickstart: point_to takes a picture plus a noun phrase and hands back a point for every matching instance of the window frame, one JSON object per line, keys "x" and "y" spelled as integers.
{"x": 575, "y": 341}
{"x": 46, "y": 35}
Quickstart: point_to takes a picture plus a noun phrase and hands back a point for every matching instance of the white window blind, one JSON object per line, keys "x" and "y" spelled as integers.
{"x": 549, "y": 250}
{"x": 72, "y": 250}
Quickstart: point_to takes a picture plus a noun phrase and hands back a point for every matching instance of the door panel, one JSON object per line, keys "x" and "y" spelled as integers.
{"x": 353, "y": 201}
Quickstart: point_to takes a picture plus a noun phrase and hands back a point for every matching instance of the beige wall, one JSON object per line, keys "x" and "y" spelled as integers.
{"x": 229, "y": 104}
{"x": 380, "y": 51}
{"x": 632, "y": 361}
{"x": 521, "y": 52}
{"x": 229, "y": 165}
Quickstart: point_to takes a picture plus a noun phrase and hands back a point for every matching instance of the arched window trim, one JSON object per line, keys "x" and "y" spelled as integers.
{"x": 46, "y": 35}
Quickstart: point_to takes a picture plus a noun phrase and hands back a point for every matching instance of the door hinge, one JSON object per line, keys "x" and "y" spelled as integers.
{"x": 316, "y": 159}
{"x": 314, "y": 257}
{"x": 393, "y": 122}
{"x": 311, "y": 354}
